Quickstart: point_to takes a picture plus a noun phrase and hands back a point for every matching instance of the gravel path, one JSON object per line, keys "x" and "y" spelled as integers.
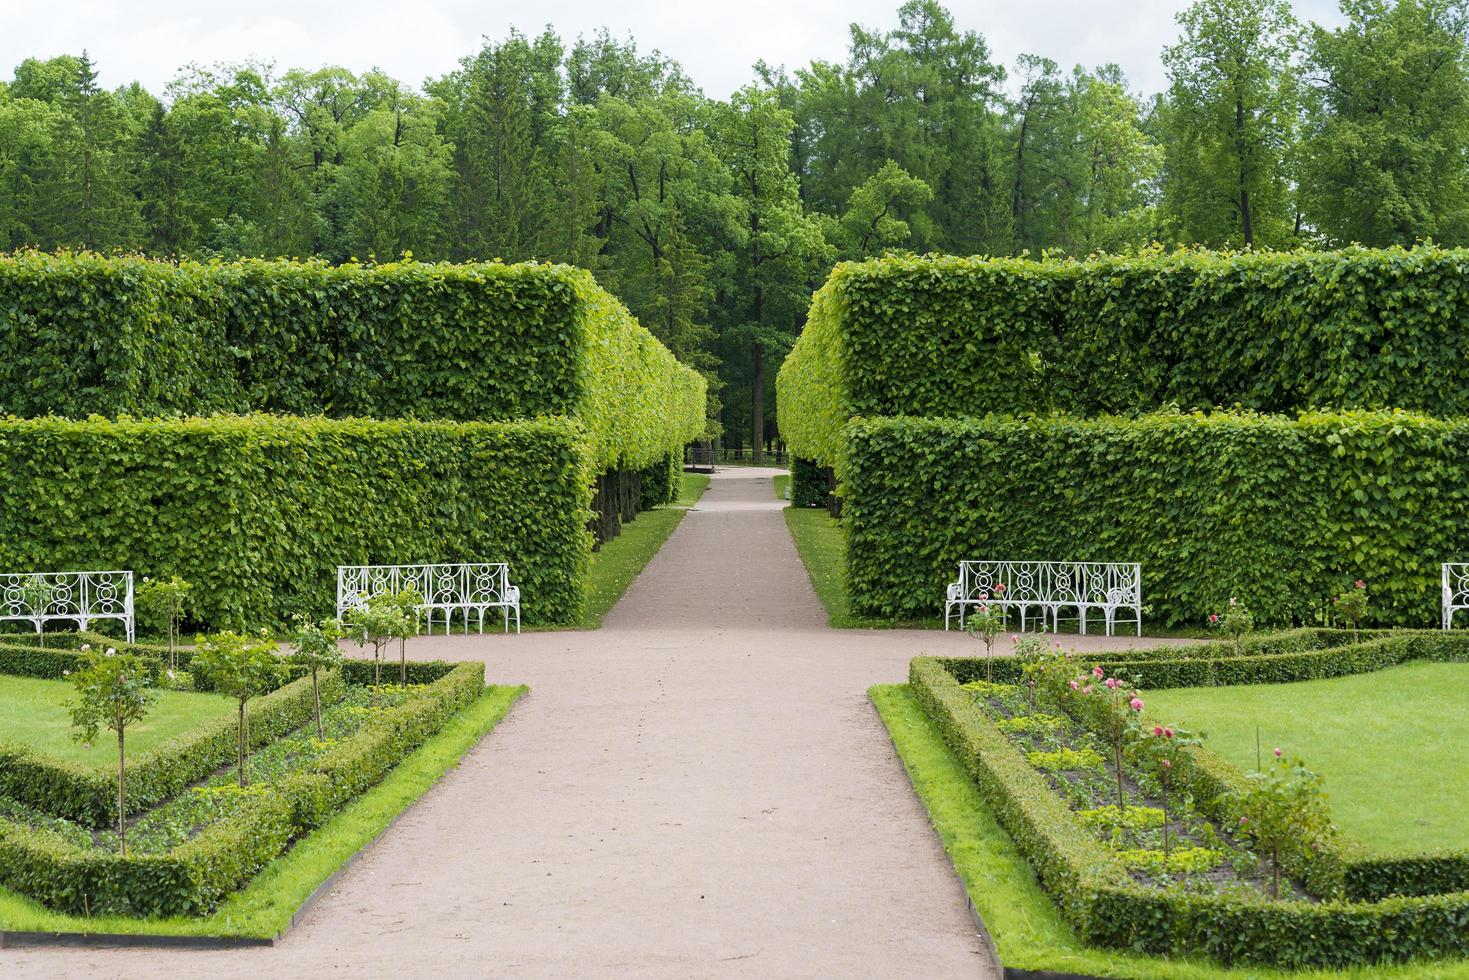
{"x": 700, "y": 788}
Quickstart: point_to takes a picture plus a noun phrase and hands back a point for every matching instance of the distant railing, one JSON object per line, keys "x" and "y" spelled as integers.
{"x": 77, "y": 597}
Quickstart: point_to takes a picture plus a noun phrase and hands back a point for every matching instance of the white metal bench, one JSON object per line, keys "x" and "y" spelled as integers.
{"x": 79, "y": 597}
{"x": 470, "y": 588}
{"x": 1048, "y": 587}
{"x": 1455, "y": 590}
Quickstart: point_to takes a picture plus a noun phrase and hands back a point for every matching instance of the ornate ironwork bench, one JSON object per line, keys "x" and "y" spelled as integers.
{"x": 470, "y": 588}
{"x": 78, "y": 597}
{"x": 1049, "y": 587}
{"x": 1455, "y": 590}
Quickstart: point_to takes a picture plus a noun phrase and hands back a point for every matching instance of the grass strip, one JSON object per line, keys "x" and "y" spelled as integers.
{"x": 263, "y": 909}
{"x": 1026, "y": 928}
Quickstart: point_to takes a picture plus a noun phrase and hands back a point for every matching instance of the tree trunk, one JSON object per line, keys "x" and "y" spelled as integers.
{"x": 403, "y": 657}
{"x": 1247, "y": 228}
{"x": 757, "y": 404}
{"x": 240, "y": 747}
{"x": 122, "y": 820}
{"x": 316, "y": 703}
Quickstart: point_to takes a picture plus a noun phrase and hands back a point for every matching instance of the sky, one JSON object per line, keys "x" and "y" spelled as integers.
{"x": 717, "y": 41}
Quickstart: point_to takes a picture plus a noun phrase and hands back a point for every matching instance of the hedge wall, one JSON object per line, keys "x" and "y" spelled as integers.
{"x": 81, "y": 334}
{"x": 257, "y": 511}
{"x": 1281, "y": 512}
{"x": 1278, "y": 332}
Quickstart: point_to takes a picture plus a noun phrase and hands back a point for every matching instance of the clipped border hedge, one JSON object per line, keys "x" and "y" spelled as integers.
{"x": 192, "y": 878}
{"x": 257, "y": 511}
{"x": 88, "y": 795}
{"x": 1282, "y": 512}
{"x": 83, "y": 334}
{"x": 1108, "y": 909}
{"x": 1279, "y": 332}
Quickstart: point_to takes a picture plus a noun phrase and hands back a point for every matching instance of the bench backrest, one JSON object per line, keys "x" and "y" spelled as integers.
{"x": 1113, "y": 583}
{"x": 459, "y": 586}
{"x": 1456, "y": 585}
{"x": 69, "y": 596}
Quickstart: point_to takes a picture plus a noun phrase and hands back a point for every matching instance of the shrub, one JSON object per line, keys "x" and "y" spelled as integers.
{"x": 1278, "y": 332}
{"x": 257, "y": 511}
{"x": 808, "y": 483}
{"x": 1275, "y": 510}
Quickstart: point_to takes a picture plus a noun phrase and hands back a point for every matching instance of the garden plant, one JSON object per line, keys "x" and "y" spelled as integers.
{"x": 166, "y": 599}
{"x": 113, "y": 692}
{"x": 316, "y": 648}
{"x": 242, "y": 667}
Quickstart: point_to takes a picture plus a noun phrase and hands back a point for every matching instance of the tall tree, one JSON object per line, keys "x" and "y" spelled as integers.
{"x": 1231, "y": 111}
{"x": 1386, "y": 160}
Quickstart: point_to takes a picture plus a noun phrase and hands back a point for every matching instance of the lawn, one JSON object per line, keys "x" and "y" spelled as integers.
{"x": 35, "y": 712}
{"x": 264, "y": 908}
{"x": 1393, "y": 745}
{"x": 1023, "y": 922}
{"x": 618, "y": 562}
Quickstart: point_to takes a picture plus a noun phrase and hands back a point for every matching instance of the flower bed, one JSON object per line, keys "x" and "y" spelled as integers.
{"x": 204, "y": 837}
{"x": 1111, "y": 905}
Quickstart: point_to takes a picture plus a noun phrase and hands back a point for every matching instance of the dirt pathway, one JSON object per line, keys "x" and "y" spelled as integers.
{"x": 701, "y": 788}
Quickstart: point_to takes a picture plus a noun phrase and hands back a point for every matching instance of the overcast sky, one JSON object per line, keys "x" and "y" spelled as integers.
{"x": 716, "y": 40}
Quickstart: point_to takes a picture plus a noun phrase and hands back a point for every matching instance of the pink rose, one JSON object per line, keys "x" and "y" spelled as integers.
{"x": 1277, "y": 753}
{"x": 1243, "y": 821}
{"x": 1213, "y": 617}
{"x": 1361, "y": 584}
{"x": 1157, "y": 729}
{"x": 983, "y": 596}
{"x": 1000, "y": 587}
{"x": 1098, "y": 672}
{"x": 1113, "y": 683}
{"x": 1073, "y": 685}
{"x": 1014, "y": 637}
{"x": 1087, "y": 689}
{"x": 1167, "y": 733}
{"x": 1167, "y": 764}
{"x": 1136, "y": 704}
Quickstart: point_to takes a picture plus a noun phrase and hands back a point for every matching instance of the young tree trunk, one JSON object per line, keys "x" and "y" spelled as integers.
{"x": 1165, "y": 818}
{"x": 316, "y": 703}
{"x": 1275, "y": 872}
{"x": 122, "y": 820}
{"x": 403, "y": 658}
{"x": 240, "y": 747}
{"x": 1117, "y": 757}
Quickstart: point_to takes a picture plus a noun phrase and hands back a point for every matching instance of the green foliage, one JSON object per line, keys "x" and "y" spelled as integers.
{"x": 111, "y": 692}
{"x": 1063, "y": 760}
{"x": 1095, "y": 892}
{"x": 194, "y": 877}
{"x": 256, "y": 512}
{"x": 1278, "y": 332}
{"x": 808, "y": 483}
{"x": 1282, "y": 806}
{"x": 240, "y": 667}
{"x": 314, "y": 647}
{"x": 1273, "y": 509}
{"x": 165, "y": 601}
{"x": 86, "y": 794}
{"x": 1179, "y": 860}
{"x": 84, "y": 334}
{"x": 1109, "y": 817}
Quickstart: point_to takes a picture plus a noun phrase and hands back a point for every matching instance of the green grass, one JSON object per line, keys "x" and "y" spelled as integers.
{"x": 822, "y": 544}
{"x": 35, "y": 712}
{"x": 618, "y": 562}
{"x": 1393, "y": 745}
{"x": 1023, "y": 922}
{"x": 263, "y": 909}
{"x": 782, "y": 481}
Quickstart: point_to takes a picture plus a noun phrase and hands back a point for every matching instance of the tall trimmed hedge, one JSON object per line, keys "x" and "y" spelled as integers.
{"x": 257, "y": 511}
{"x": 1282, "y": 512}
{"x": 1276, "y": 332}
{"x": 82, "y": 334}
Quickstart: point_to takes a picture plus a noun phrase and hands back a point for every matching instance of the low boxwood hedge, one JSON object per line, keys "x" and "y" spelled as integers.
{"x": 192, "y": 878}
{"x": 88, "y": 794}
{"x": 1267, "y": 658}
{"x": 1108, "y": 909}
